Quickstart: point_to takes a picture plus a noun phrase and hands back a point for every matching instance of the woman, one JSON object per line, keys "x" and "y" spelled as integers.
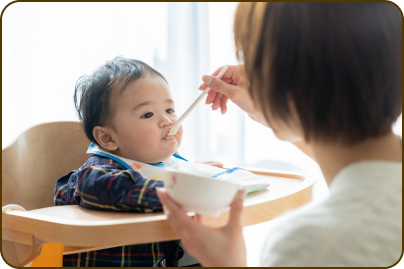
{"x": 326, "y": 77}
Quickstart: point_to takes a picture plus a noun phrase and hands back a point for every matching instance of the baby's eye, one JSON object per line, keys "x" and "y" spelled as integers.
{"x": 147, "y": 115}
{"x": 170, "y": 111}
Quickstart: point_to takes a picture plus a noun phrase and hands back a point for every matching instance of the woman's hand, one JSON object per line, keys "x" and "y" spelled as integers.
{"x": 230, "y": 86}
{"x": 219, "y": 247}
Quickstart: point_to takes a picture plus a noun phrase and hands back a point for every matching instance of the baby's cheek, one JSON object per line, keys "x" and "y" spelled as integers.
{"x": 152, "y": 136}
{"x": 144, "y": 138}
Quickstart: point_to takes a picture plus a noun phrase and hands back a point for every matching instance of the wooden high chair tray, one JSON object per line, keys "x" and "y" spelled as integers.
{"x": 80, "y": 229}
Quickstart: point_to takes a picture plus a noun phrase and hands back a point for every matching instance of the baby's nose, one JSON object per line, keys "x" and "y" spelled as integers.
{"x": 167, "y": 122}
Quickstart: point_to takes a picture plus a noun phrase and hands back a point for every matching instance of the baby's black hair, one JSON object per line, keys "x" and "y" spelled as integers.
{"x": 94, "y": 93}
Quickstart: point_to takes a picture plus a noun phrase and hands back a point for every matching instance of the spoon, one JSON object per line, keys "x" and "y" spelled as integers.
{"x": 177, "y": 125}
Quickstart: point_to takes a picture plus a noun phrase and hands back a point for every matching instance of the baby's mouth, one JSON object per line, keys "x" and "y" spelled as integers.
{"x": 168, "y": 137}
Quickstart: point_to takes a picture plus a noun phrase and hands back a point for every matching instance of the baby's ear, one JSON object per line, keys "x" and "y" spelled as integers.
{"x": 103, "y": 137}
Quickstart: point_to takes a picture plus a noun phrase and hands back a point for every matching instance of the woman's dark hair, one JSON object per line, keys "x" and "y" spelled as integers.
{"x": 95, "y": 93}
{"x": 340, "y": 62}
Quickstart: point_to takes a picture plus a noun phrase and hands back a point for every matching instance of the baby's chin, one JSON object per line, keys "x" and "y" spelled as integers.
{"x": 165, "y": 155}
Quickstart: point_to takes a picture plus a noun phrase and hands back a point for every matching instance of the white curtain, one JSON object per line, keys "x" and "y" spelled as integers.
{"x": 48, "y": 46}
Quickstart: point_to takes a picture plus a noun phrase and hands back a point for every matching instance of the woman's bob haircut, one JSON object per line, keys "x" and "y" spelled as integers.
{"x": 339, "y": 62}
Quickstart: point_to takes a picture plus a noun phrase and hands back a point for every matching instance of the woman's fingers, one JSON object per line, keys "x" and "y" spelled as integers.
{"x": 224, "y": 85}
{"x": 219, "y": 85}
{"x": 177, "y": 217}
{"x": 216, "y": 103}
{"x": 222, "y": 247}
{"x": 169, "y": 206}
{"x": 166, "y": 200}
{"x": 223, "y": 104}
{"x": 203, "y": 86}
{"x": 176, "y": 226}
{"x": 236, "y": 210}
{"x": 211, "y": 97}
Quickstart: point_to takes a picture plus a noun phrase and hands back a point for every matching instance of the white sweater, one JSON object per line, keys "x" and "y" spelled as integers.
{"x": 360, "y": 223}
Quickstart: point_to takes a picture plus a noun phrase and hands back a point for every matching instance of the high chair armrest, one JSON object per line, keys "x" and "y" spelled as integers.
{"x": 64, "y": 224}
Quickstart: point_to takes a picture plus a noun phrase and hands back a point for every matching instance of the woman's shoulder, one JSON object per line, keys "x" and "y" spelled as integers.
{"x": 357, "y": 217}
{"x": 364, "y": 180}
{"x": 294, "y": 238}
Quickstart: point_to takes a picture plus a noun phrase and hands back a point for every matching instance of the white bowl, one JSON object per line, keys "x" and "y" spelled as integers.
{"x": 200, "y": 194}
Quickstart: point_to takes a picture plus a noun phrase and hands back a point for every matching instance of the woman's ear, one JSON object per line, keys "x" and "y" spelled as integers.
{"x": 103, "y": 137}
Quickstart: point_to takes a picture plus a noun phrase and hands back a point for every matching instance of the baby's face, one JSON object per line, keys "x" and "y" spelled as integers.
{"x": 144, "y": 115}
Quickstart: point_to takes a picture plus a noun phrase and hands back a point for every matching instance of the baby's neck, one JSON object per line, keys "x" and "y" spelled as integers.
{"x": 150, "y": 161}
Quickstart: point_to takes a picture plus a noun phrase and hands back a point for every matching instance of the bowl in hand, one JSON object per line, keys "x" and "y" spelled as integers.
{"x": 200, "y": 194}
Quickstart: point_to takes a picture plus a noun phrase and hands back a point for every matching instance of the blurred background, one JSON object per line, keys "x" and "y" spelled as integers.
{"x": 48, "y": 46}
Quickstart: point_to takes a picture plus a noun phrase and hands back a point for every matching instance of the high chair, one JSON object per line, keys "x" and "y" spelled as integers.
{"x": 30, "y": 167}
{"x": 44, "y": 232}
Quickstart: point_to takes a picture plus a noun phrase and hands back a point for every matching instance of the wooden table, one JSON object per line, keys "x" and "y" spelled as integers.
{"x": 99, "y": 229}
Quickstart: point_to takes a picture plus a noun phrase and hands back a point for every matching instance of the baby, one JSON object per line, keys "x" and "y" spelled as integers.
{"x": 126, "y": 110}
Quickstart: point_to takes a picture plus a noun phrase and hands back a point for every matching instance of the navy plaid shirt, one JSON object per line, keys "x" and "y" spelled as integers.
{"x": 104, "y": 184}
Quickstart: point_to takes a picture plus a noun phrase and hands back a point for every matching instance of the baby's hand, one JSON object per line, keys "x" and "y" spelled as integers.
{"x": 213, "y": 163}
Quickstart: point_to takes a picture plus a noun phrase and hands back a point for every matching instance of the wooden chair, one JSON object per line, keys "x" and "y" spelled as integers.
{"x": 30, "y": 167}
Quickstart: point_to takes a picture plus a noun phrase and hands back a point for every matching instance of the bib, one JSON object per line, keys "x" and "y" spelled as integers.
{"x": 244, "y": 178}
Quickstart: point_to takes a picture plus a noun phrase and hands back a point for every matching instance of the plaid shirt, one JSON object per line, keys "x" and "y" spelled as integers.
{"x": 104, "y": 184}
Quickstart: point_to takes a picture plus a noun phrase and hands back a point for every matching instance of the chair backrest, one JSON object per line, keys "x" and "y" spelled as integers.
{"x": 33, "y": 163}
